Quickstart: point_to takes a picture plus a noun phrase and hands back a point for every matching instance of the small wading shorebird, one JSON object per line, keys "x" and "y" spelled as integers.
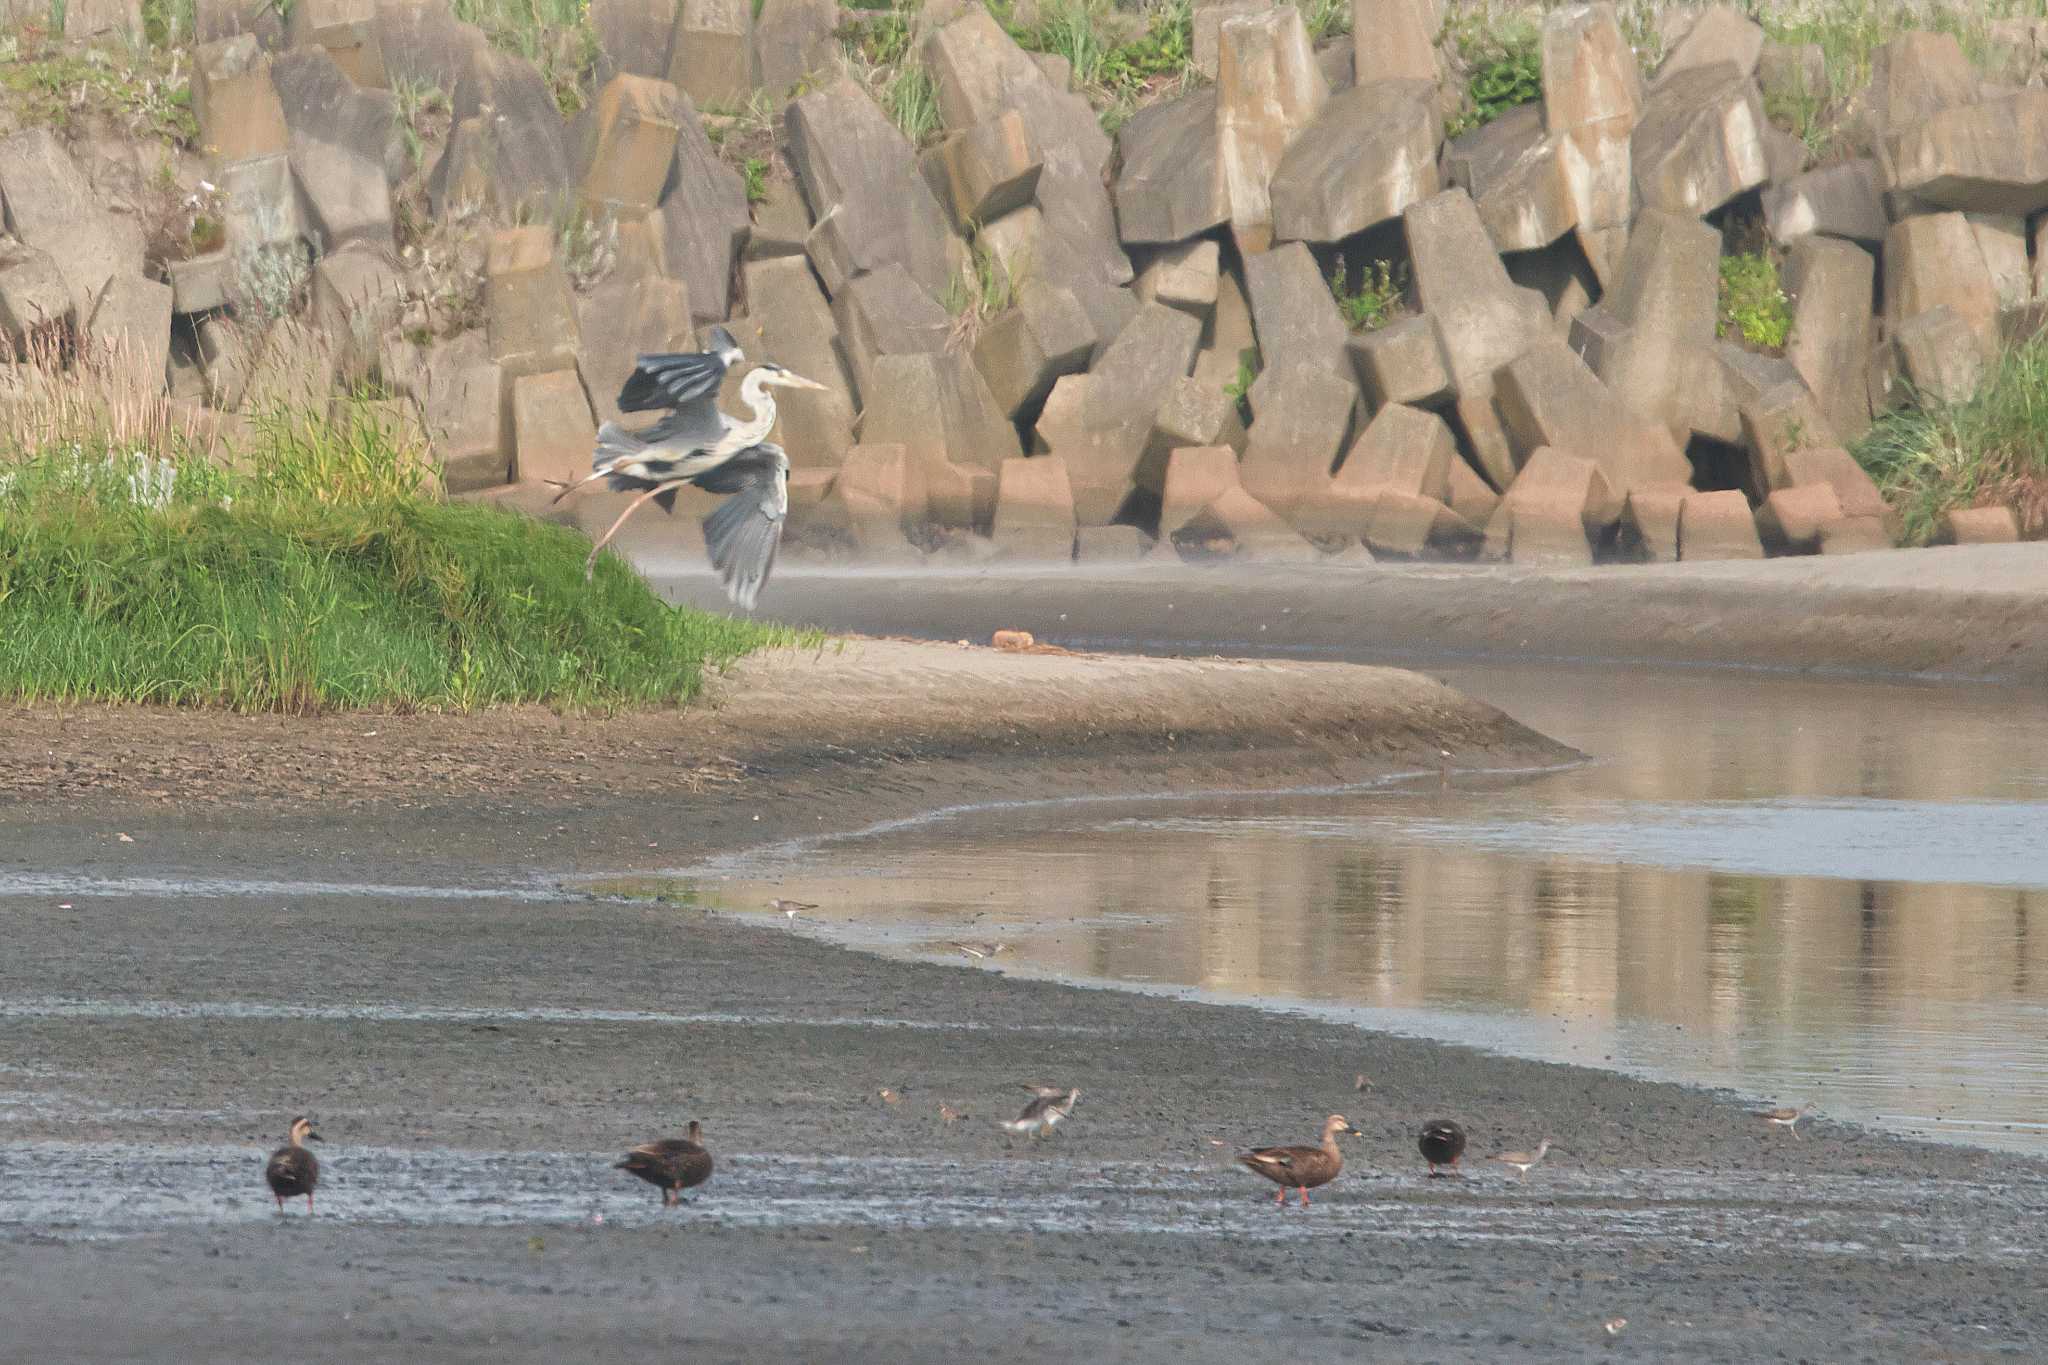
{"x": 292, "y": 1170}
{"x": 1442, "y": 1143}
{"x": 1050, "y": 1105}
{"x": 697, "y": 444}
{"x": 671, "y": 1164}
{"x": 1302, "y": 1168}
{"x": 1784, "y": 1118}
{"x": 1522, "y": 1161}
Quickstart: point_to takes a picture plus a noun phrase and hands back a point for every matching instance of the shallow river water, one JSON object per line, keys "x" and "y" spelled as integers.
{"x": 1817, "y": 891}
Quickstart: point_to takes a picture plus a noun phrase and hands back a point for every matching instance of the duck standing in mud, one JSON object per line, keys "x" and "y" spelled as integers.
{"x": 292, "y": 1170}
{"x": 1302, "y": 1168}
{"x": 672, "y": 1165}
{"x": 1442, "y": 1142}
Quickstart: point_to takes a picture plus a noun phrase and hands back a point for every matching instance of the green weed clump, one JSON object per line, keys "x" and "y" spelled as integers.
{"x": 1753, "y": 302}
{"x": 1990, "y": 448}
{"x": 1378, "y": 298}
{"x": 318, "y": 569}
{"x": 1504, "y": 66}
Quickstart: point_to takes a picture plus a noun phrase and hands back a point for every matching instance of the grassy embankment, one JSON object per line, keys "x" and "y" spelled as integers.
{"x": 315, "y": 568}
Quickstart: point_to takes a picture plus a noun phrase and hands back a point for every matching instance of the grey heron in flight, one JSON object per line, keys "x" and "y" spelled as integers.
{"x": 698, "y": 444}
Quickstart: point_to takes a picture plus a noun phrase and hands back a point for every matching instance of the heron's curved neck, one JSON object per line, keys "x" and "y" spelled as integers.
{"x": 754, "y": 393}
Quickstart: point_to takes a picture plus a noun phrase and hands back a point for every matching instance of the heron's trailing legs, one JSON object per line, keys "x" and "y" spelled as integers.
{"x": 590, "y": 564}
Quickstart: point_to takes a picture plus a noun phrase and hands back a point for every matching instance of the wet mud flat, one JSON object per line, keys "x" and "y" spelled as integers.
{"x": 477, "y": 1037}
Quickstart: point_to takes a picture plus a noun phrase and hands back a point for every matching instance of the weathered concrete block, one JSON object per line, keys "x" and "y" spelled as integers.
{"x": 979, "y": 72}
{"x": 1665, "y": 297}
{"x": 1182, "y": 277}
{"x": 1019, "y": 243}
{"x": 1402, "y": 362}
{"x": 1403, "y": 449}
{"x": 1557, "y": 505}
{"x": 632, "y": 35}
{"x": 1101, "y": 422}
{"x": 1982, "y": 158}
{"x": 132, "y": 322}
{"x": 626, "y": 145}
{"x": 885, "y": 312}
{"x": 792, "y": 322}
{"x": 339, "y": 138}
{"x": 624, "y": 318}
{"x": 1295, "y": 318}
{"x": 1034, "y": 509}
{"x": 292, "y": 368}
{"x": 463, "y": 405}
{"x": 1471, "y": 497}
{"x": 703, "y": 218}
{"x": 1592, "y": 98}
{"x": 552, "y": 427}
{"x": 1791, "y": 520}
{"x": 529, "y": 316}
{"x": 1253, "y": 531}
{"x": 51, "y": 206}
{"x": 234, "y": 102}
{"x": 1717, "y": 526}
{"x": 1207, "y": 26}
{"x": 1837, "y": 468}
{"x": 508, "y": 145}
{"x": 938, "y": 407}
{"x": 781, "y": 223}
{"x": 984, "y": 172}
{"x": 35, "y": 298}
{"x": 710, "y": 52}
{"x": 1721, "y": 35}
{"x": 1832, "y": 284}
{"x": 1169, "y": 187}
{"x": 347, "y": 31}
{"x": 1024, "y": 350}
{"x": 1268, "y": 89}
{"x": 1979, "y": 526}
{"x": 1781, "y": 420}
{"x": 1794, "y": 76}
{"x": 1649, "y": 520}
{"x": 1111, "y": 545}
{"x": 1912, "y": 77}
{"x": 357, "y": 295}
{"x": 1842, "y": 200}
{"x": 1403, "y": 40}
{"x": 1301, "y": 415}
{"x": 1368, "y": 155}
{"x": 1190, "y": 414}
{"x": 1701, "y": 141}
{"x": 857, "y": 170}
{"x": 201, "y": 283}
{"x": 1195, "y": 478}
{"x": 963, "y": 496}
{"x": 1934, "y": 261}
{"x": 793, "y": 41}
{"x": 1482, "y": 318}
{"x": 1515, "y": 172}
{"x": 885, "y": 492}
{"x": 1484, "y": 438}
{"x": 1548, "y": 398}
{"x": 1939, "y": 354}
{"x": 1408, "y": 525}
{"x": 1854, "y": 536}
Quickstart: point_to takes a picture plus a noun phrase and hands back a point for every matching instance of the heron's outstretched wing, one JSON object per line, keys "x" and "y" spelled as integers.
{"x": 744, "y": 533}
{"x": 672, "y": 379}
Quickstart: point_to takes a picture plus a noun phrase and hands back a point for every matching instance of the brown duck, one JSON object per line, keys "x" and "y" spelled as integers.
{"x": 1302, "y": 1168}
{"x": 292, "y": 1170}
{"x": 1442, "y": 1143}
{"x": 672, "y": 1164}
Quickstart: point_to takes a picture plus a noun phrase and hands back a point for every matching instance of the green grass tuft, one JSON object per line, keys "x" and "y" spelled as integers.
{"x": 320, "y": 572}
{"x": 1378, "y": 298}
{"x": 1991, "y": 448}
{"x": 1753, "y": 302}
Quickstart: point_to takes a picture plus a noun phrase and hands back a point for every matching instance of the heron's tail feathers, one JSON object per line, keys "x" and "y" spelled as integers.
{"x": 614, "y": 443}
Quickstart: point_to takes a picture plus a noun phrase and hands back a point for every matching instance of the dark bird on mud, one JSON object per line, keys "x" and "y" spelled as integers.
{"x": 1362, "y": 1083}
{"x": 1302, "y": 1168}
{"x": 1784, "y": 1118}
{"x": 1048, "y": 1108}
{"x": 1522, "y": 1161}
{"x": 1442, "y": 1143}
{"x": 292, "y": 1170}
{"x": 670, "y": 1164}
{"x": 697, "y": 444}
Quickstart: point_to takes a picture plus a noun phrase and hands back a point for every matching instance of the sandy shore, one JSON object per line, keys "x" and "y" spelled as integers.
{"x": 1977, "y": 612}
{"x": 487, "y": 1052}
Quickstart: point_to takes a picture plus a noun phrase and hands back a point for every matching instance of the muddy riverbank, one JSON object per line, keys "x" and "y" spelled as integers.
{"x": 391, "y": 938}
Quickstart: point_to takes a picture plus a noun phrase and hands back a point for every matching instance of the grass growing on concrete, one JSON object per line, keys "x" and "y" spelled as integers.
{"x": 48, "y": 83}
{"x": 1990, "y": 448}
{"x": 1753, "y": 303}
{"x": 1377, "y": 299}
{"x": 318, "y": 571}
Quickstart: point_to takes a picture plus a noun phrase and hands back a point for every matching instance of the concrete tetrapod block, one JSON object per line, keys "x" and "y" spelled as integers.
{"x": 1791, "y": 520}
{"x": 986, "y": 171}
{"x": 347, "y": 30}
{"x": 1195, "y": 477}
{"x": 1370, "y": 153}
{"x": 1034, "y": 509}
{"x": 1402, "y": 362}
{"x": 1183, "y": 277}
{"x": 860, "y": 177}
{"x": 1483, "y": 318}
{"x": 529, "y": 313}
{"x": 710, "y": 52}
{"x": 1978, "y": 526}
{"x": 1717, "y": 526}
{"x": 234, "y": 103}
{"x": 1649, "y": 520}
{"x": 626, "y": 145}
{"x": 1407, "y": 525}
{"x": 1300, "y": 418}
{"x": 552, "y": 429}
{"x": 886, "y": 495}
{"x": 1268, "y": 89}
